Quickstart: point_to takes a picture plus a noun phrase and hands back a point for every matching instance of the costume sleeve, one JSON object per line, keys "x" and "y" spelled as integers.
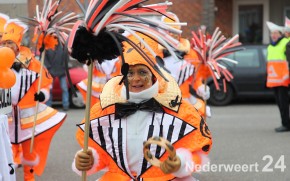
{"x": 193, "y": 151}
{"x": 47, "y": 79}
{"x": 99, "y": 154}
{"x": 94, "y": 167}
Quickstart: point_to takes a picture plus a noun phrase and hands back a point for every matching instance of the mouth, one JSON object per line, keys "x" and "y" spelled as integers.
{"x": 137, "y": 87}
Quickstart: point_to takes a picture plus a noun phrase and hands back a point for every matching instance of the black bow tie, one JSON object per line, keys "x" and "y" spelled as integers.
{"x": 16, "y": 66}
{"x": 126, "y": 109}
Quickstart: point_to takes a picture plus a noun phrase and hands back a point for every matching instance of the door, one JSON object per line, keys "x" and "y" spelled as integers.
{"x": 251, "y": 24}
{"x": 249, "y": 21}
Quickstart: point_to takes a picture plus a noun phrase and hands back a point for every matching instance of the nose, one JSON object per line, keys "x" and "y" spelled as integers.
{"x": 134, "y": 78}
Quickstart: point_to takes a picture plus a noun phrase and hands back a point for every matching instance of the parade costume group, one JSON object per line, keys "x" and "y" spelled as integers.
{"x": 146, "y": 81}
{"x": 22, "y": 100}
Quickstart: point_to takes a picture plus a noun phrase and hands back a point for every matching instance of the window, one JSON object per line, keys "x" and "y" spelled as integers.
{"x": 287, "y": 11}
{"x": 247, "y": 58}
{"x": 264, "y": 51}
{"x": 251, "y": 24}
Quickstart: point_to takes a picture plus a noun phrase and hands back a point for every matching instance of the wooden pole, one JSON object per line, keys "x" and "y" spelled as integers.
{"x": 37, "y": 102}
{"x": 87, "y": 114}
{"x": 205, "y": 101}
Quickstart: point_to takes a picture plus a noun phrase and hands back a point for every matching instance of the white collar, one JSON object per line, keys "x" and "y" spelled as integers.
{"x": 141, "y": 96}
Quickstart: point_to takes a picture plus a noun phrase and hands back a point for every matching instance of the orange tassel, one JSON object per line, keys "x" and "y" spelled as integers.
{"x": 50, "y": 41}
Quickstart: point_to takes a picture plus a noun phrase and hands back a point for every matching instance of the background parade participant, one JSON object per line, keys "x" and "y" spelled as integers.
{"x": 24, "y": 97}
{"x": 7, "y": 77}
{"x": 278, "y": 73}
{"x": 185, "y": 70}
{"x": 55, "y": 63}
{"x": 101, "y": 74}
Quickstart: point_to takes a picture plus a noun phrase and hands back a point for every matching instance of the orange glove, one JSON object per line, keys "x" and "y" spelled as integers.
{"x": 170, "y": 165}
{"x": 84, "y": 160}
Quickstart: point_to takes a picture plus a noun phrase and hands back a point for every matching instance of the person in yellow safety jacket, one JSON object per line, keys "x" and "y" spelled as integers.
{"x": 278, "y": 73}
{"x": 24, "y": 97}
{"x": 117, "y": 134}
{"x": 287, "y": 35}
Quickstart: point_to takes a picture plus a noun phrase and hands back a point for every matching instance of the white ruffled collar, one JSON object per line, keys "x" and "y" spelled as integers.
{"x": 141, "y": 96}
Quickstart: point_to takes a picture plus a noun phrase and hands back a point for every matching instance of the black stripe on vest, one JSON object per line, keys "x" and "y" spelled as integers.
{"x": 16, "y": 122}
{"x": 20, "y": 92}
{"x": 101, "y": 135}
{"x": 184, "y": 75}
{"x": 31, "y": 78}
{"x": 179, "y": 77}
{"x": 158, "y": 149}
{"x": 26, "y": 84}
{"x": 170, "y": 130}
{"x": 120, "y": 143}
{"x": 91, "y": 135}
{"x": 150, "y": 134}
{"x": 182, "y": 130}
{"x": 112, "y": 140}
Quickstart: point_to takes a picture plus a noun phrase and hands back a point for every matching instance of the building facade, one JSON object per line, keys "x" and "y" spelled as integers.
{"x": 244, "y": 17}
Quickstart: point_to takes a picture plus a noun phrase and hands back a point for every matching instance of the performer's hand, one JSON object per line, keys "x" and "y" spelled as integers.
{"x": 170, "y": 165}
{"x": 39, "y": 97}
{"x": 84, "y": 160}
{"x": 203, "y": 91}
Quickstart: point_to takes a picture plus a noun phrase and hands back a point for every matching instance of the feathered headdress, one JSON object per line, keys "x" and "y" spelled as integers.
{"x": 14, "y": 30}
{"x": 3, "y": 19}
{"x": 51, "y": 24}
{"x": 212, "y": 52}
{"x": 100, "y": 35}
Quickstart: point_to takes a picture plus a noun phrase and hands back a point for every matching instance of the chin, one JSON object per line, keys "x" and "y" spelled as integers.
{"x": 136, "y": 90}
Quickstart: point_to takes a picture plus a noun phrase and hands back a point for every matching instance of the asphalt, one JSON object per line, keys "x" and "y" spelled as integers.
{"x": 245, "y": 146}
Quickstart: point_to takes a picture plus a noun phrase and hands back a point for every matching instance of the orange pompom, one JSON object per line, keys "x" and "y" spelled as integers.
{"x": 7, "y": 78}
{"x": 203, "y": 72}
{"x": 7, "y": 57}
{"x": 49, "y": 41}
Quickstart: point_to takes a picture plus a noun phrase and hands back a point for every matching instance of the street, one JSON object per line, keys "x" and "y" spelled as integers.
{"x": 245, "y": 146}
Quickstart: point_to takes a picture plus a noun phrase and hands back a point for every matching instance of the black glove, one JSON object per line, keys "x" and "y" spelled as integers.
{"x": 39, "y": 97}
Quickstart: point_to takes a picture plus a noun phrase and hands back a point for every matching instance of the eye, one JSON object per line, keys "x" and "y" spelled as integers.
{"x": 143, "y": 72}
{"x": 130, "y": 73}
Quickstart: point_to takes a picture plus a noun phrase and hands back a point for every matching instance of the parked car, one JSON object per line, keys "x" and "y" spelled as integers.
{"x": 77, "y": 74}
{"x": 249, "y": 77}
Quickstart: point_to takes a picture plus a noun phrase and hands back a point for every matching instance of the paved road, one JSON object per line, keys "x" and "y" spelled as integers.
{"x": 244, "y": 142}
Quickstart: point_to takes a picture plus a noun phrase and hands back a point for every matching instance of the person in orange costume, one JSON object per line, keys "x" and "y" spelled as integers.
{"x": 186, "y": 71}
{"x": 24, "y": 97}
{"x": 196, "y": 82}
{"x": 3, "y": 20}
{"x": 7, "y": 169}
{"x": 117, "y": 136}
{"x": 101, "y": 74}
